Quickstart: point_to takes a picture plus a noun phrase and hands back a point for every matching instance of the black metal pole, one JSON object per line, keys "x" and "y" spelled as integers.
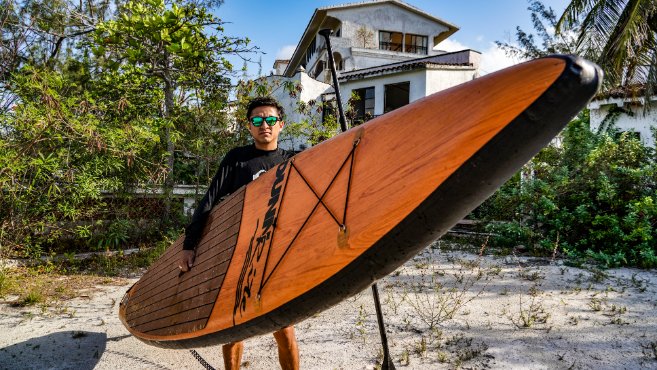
{"x": 387, "y": 361}
{"x": 336, "y": 86}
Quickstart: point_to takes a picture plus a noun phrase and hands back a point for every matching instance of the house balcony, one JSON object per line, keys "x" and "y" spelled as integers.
{"x": 339, "y": 45}
{"x": 400, "y": 48}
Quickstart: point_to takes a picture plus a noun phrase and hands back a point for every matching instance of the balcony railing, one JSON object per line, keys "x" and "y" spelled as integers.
{"x": 392, "y": 46}
{"x": 395, "y": 46}
{"x": 416, "y": 49}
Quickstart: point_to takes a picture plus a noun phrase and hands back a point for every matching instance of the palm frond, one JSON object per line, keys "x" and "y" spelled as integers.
{"x": 651, "y": 77}
{"x": 572, "y": 13}
{"x": 629, "y": 34}
{"x": 620, "y": 35}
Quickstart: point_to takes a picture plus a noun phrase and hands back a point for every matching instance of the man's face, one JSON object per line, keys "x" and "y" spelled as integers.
{"x": 265, "y": 136}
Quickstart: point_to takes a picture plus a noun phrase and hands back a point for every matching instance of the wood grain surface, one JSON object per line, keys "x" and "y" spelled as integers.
{"x": 165, "y": 302}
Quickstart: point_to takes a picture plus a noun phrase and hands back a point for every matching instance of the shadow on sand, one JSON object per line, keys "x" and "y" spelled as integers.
{"x": 80, "y": 350}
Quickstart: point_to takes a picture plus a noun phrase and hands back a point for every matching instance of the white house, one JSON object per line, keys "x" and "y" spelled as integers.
{"x": 367, "y": 34}
{"x": 633, "y": 116}
{"x": 388, "y": 87}
{"x": 385, "y": 54}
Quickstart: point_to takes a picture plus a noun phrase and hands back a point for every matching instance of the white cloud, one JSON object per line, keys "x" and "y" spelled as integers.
{"x": 494, "y": 59}
{"x": 450, "y": 45}
{"x": 285, "y": 52}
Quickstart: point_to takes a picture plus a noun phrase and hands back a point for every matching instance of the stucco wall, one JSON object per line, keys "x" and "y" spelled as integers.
{"x": 417, "y": 86}
{"x": 366, "y": 58}
{"x": 385, "y": 17}
{"x": 444, "y": 78}
{"x": 641, "y": 122}
{"x": 375, "y": 18}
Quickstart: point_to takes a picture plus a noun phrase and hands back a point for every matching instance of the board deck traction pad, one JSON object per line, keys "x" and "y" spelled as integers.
{"x": 169, "y": 309}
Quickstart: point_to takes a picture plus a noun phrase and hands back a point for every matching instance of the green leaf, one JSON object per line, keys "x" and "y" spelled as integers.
{"x": 173, "y": 48}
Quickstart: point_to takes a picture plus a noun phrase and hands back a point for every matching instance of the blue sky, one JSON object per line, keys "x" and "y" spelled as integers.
{"x": 276, "y": 26}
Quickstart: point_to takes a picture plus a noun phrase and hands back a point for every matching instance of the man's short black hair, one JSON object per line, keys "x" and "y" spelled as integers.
{"x": 264, "y": 101}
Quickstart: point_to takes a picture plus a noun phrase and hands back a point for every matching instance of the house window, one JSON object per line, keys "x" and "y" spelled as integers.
{"x": 390, "y": 41}
{"x": 319, "y": 69}
{"x": 329, "y": 109}
{"x": 337, "y": 59}
{"x": 310, "y": 51}
{"x": 396, "y": 96}
{"x": 363, "y": 104}
{"x": 416, "y": 44}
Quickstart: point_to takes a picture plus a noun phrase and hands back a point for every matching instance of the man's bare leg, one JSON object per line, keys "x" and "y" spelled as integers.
{"x": 288, "y": 352}
{"x": 233, "y": 355}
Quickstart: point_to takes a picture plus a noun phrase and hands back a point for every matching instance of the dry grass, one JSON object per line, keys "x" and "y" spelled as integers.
{"x": 61, "y": 279}
{"x": 24, "y": 286}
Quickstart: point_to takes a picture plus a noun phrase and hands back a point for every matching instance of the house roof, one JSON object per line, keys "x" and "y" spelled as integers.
{"x": 620, "y": 95}
{"x": 320, "y": 15}
{"x": 398, "y": 2}
{"x": 625, "y": 91}
{"x": 436, "y": 61}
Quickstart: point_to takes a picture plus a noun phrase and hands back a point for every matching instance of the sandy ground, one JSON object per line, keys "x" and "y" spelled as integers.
{"x": 443, "y": 310}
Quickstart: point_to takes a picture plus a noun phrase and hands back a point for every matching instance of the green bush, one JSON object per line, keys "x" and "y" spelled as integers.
{"x": 592, "y": 196}
{"x": 61, "y": 165}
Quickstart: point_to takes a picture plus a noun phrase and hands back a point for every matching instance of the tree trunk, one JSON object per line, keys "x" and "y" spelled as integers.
{"x": 168, "y": 109}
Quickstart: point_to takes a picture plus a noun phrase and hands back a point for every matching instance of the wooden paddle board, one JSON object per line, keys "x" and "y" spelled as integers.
{"x": 332, "y": 220}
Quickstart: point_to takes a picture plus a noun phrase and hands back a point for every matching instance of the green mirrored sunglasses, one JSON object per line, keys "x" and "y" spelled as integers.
{"x": 257, "y": 121}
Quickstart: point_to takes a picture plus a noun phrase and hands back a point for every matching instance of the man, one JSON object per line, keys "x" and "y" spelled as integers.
{"x": 241, "y": 166}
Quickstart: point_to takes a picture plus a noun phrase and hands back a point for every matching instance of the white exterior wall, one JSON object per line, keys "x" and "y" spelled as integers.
{"x": 416, "y": 79}
{"x": 375, "y": 18}
{"x": 280, "y": 65}
{"x": 441, "y": 79}
{"x": 342, "y": 46}
{"x": 366, "y": 58}
{"x": 639, "y": 122}
{"x": 385, "y": 17}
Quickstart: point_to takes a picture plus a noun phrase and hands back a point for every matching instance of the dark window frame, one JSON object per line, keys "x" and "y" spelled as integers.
{"x": 388, "y": 44}
{"x": 364, "y": 106}
{"x": 418, "y": 44}
{"x": 404, "y": 86}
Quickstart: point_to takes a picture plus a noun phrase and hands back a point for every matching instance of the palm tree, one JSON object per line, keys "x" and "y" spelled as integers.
{"x": 623, "y": 36}
{"x": 542, "y": 41}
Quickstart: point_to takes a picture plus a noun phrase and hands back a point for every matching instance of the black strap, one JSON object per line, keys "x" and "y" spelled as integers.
{"x": 201, "y": 360}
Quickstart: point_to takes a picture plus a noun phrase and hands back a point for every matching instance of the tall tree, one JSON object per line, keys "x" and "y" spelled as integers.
{"x": 62, "y": 149}
{"x": 544, "y": 21}
{"x": 623, "y": 35}
{"x": 180, "y": 45}
{"x": 43, "y": 33}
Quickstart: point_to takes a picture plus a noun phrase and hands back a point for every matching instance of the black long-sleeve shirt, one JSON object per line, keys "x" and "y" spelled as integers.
{"x": 239, "y": 167}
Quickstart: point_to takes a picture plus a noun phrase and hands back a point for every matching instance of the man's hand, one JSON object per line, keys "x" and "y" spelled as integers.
{"x": 187, "y": 260}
